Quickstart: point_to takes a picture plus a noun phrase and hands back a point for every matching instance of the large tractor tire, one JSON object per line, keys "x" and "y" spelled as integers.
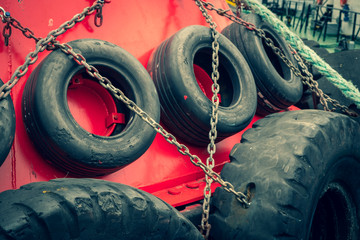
{"x": 88, "y": 209}
{"x": 303, "y": 168}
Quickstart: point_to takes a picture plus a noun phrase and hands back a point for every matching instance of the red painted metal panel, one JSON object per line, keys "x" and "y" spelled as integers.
{"x": 138, "y": 26}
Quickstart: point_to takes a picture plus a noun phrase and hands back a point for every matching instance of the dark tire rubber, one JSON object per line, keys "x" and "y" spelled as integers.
{"x": 278, "y": 87}
{"x": 311, "y": 43}
{"x": 7, "y": 126}
{"x": 57, "y": 135}
{"x": 88, "y": 209}
{"x": 303, "y": 169}
{"x": 185, "y": 108}
{"x": 346, "y": 64}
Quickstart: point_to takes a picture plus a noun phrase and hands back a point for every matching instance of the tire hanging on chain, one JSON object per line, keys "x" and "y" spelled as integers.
{"x": 278, "y": 87}
{"x": 301, "y": 170}
{"x": 7, "y": 126}
{"x": 55, "y": 132}
{"x": 89, "y": 209}
{"x": 181, "y": 68}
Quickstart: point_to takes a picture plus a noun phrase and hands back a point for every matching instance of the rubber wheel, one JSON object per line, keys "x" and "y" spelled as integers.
{"x": 53, "y": 129}
{"x": 180, "y": 67}
{"x": 7, "y": 126}
{"x": 89, "y": 209}
{"x": 301, "y": 170}
{"x": 278, "y": 87}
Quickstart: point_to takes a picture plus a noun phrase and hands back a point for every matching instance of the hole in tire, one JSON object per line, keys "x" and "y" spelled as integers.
{"x": 275, "y": 60}
{"x": 202, "y": 66}
{"x": 250, "y": 191}
{"x": 335, "y": 215}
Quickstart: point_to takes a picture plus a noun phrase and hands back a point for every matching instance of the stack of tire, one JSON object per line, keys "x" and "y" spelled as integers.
{"x": 299, "y": 169}
{"x": 185, "y": 109}
{"x": 277, "y": 86}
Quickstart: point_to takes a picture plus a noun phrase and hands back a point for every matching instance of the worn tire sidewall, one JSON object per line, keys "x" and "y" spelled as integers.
{"x": 334, "y": 163}
{"x": 7, "y": 126}
{"x": 280, "y": 91}
{"x": 68, "y": 208}
{"x": 56, "y": 124}
{"x": 343, "y": 171}
{"x": 241, "y": 110}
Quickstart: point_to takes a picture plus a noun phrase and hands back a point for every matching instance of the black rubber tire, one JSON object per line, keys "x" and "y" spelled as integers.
{"x": 51, "y": 127}
{"x": 7, "y": 126}
{"x": 303, "y": 169}
{"x": 185, "y": 108}
{"x": 88, "y": 209}
{"x": 278, "y": 87}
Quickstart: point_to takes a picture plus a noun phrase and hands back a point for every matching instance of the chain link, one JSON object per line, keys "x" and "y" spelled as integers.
{"x": 42, "y": 43}
{"x": 2, "y": 13}
{"x": 306, "y": 78}
{"x": 50, "y": 43}
{"x": 98, "y": 20}
{"x": 210, "y": 162}
{"x": 10, "y": 21}
{"x": 305, "y": 75}
{"x": 313, "y": 85}
{"x": 118, "y": 94}
{"x": 7, "y": 33}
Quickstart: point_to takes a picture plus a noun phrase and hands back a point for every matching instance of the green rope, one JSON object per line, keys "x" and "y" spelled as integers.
{"x": 347, "y": 87}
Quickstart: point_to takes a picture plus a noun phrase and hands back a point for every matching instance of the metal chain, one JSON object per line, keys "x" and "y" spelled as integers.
{"x": 42, "y": 44}
{"x": 118, "y": 94}
{"x": 238, "y": 7}
{"x": 2, "y": 13}
{"x": 314, "y": 87}
{"x": 240, "y": 4}
{"x": 7, "y": 33}
{"x": 210, "y": 162}
{"x": 50, "y": 43}
{"x": 10, "y": 21}
{"x": 307, "y": 79}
